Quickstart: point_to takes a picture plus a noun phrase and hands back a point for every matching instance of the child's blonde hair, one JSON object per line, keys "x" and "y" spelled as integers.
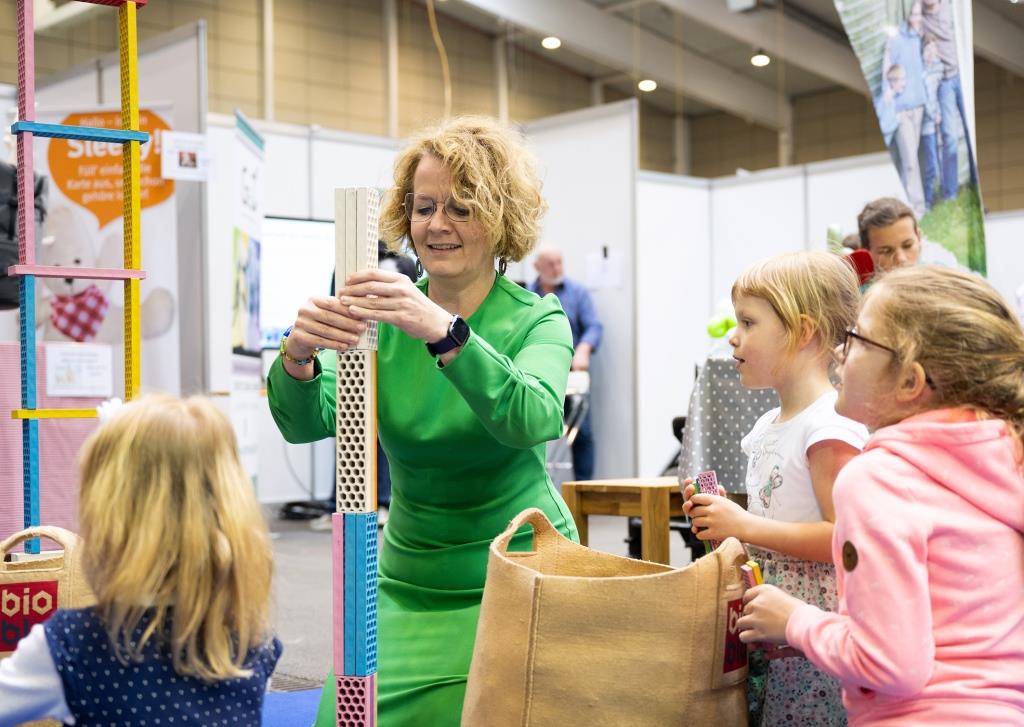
{"x": 817, "y": 287}
{"x": 493, "y": 174}
{"x": 965, "y": 336}
{"x": 172, "y": 528}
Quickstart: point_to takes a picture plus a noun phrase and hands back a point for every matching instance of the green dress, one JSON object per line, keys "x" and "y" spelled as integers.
{"x": 466, "y": 445}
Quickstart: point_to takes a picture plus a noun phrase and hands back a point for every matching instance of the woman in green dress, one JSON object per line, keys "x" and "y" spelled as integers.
{"x": 471, "y": 375}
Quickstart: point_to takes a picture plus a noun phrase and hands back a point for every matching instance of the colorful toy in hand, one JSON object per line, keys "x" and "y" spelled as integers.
{"x": 707, "y": 484}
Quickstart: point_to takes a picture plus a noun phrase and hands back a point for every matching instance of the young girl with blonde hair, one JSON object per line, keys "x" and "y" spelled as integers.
{"x": 178, "y": 556}
{"x": 930, "y": 518}
{"x": 791, "y": 311}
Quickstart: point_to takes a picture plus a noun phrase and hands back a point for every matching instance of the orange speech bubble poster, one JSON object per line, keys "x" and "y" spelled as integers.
{"x": 89, "y": 172}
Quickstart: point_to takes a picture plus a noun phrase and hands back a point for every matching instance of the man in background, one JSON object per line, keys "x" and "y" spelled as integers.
{"x": 586, "y": 337}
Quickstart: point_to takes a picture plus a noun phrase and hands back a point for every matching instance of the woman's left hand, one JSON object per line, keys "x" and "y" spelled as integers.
{"x": 766, "y": 612}
{"x": 389, "y": 297}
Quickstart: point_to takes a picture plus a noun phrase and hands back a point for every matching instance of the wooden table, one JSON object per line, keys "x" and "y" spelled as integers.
{"x": 652, "y": 499}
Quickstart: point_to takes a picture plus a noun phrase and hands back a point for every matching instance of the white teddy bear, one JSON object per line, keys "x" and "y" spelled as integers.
{"x": 79, "y": 309}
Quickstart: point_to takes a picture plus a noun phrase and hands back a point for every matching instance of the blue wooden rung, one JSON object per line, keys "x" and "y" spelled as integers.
{"x": 29, "y": 428}
{"x": 85, "y": 133}
{"x": 360, "y": 594}
{"x": 30, "y": 470}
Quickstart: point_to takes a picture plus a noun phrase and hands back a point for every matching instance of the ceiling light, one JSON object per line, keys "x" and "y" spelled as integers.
{"x": 551, "y": 42}
{"x": 760, "y": 59}
{"x": 647, "y": 85}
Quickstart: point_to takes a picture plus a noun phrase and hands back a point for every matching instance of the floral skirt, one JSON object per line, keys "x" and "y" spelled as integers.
{"x": 792, "y": 691}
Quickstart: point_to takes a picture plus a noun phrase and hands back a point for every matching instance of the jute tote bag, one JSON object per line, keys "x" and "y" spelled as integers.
{"x": 570, "y": 637}
{"x": 31, "y": 590}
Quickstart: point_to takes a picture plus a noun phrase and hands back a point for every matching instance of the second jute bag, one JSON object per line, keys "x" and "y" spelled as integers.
{"x": 572, "y": 637}
{"x": 32, "y": 590}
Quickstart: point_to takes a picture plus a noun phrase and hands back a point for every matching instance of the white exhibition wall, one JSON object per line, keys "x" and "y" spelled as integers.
{"x": 673, "y": 306}
{"x": 591, "y": 198}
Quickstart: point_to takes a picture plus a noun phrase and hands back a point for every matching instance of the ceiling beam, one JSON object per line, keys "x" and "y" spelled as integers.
{"x": 781, "y": 36}
{"x": 998, "y": 40}
{"x": 611, "y": 41}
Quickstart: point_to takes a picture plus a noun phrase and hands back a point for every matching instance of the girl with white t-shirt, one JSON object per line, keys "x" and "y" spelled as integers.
{"x": 791, "y": 312}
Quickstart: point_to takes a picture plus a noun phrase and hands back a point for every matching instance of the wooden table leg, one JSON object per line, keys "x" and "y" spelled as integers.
{"x": 575, "y": 503}
{"x": 654, "y": 524}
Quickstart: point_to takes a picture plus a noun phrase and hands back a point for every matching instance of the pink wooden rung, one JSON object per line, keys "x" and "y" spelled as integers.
{"x": 338, "y": 589}
{"x": 61, "y": 271}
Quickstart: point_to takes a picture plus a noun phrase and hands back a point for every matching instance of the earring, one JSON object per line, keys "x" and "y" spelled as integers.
{"x": 419, "y": 269}
{"x": 502, "y": 265}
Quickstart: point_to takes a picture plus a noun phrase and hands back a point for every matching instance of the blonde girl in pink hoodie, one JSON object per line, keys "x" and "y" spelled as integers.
{"x": 929, "y": 530}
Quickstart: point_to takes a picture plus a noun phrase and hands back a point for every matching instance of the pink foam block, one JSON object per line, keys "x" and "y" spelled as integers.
{"x": 338, "y": 589}
{"x": 357, "y": 701}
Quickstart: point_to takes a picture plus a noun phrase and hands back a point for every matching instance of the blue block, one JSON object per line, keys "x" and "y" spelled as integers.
{"x": 29, "y": 427}
{"x": 30, "y": 479}
{"x": 27, "y": 340}
{"x": 85, "y": 133}
{"x": 360, "y": 594}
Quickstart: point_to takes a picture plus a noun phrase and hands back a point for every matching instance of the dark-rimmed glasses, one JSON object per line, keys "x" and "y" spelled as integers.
{"x": 851, "y": 333}
{"x": 421, "y": 208}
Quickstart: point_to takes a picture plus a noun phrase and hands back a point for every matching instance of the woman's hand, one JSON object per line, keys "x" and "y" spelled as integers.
{"x": 322, "y": 323}
{"x": 766, "y": 612}
{"x": 381, "y": 295}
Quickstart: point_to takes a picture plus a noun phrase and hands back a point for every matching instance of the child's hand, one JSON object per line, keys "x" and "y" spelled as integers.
{"x": 716, "y": 518}
{"x": 766, "y": 612}
{"x": 688, "y": 489}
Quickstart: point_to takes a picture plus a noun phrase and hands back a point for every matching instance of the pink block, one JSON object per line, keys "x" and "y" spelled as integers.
{"x": 59, "y": 444}
{"x": 26, "y": 61}
{"x": 62, "y": 271}
{"x": 357, "y": 701}
{"x": 338, "y": 589}
{"x": 26, "y": 202}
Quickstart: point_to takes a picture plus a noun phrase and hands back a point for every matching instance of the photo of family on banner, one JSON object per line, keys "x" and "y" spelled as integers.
{"x": 910, "y": 54}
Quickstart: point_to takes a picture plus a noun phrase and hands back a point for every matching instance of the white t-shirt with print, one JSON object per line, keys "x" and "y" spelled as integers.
{"x": 778, "y": 474}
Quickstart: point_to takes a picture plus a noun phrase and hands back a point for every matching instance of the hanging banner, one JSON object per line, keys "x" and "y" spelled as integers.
{"x": 246, "y": 381}
{"x": 917, "y": 58}
{"x": 84, "y": 228}
{"x": 247, "y": 189}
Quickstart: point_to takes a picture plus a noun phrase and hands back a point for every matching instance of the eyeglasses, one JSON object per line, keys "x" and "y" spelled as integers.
{"x": 421, "y": 208}
{"x": 851, "y": 333}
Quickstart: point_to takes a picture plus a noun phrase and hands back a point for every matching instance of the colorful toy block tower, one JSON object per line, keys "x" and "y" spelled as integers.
{"x": 356, "y": 212}
{"x": 26, "y": 128}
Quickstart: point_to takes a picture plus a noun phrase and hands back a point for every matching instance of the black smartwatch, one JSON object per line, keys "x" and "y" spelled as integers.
{"x": 458, "y": 334}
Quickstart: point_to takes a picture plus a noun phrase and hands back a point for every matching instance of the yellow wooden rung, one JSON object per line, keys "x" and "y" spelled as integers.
{"x": 53, "y": 414}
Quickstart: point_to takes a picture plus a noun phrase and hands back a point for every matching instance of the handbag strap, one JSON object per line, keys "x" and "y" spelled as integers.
{"x": 544, "y": 533}
{"x": 64, "y": 538}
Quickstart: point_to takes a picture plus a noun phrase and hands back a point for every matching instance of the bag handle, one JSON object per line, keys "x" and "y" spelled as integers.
{"x": 544, "y": 533}
{"x": 64, "y": 538}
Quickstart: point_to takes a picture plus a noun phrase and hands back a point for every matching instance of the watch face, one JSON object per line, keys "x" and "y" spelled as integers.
{"x": 460, "y": 330}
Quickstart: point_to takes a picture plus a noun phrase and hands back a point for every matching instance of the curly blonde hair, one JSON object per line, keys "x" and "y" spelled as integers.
{"x": 172, "y": 528}
{"x": 817, "y": 286}
{"x": 493, "y": 175}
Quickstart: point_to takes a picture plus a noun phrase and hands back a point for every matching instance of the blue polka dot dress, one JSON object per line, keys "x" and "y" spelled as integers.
{"x": 100, "y": 690}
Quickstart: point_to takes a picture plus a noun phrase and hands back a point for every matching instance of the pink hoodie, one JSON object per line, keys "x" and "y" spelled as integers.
{"x": 929, "y": 552}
